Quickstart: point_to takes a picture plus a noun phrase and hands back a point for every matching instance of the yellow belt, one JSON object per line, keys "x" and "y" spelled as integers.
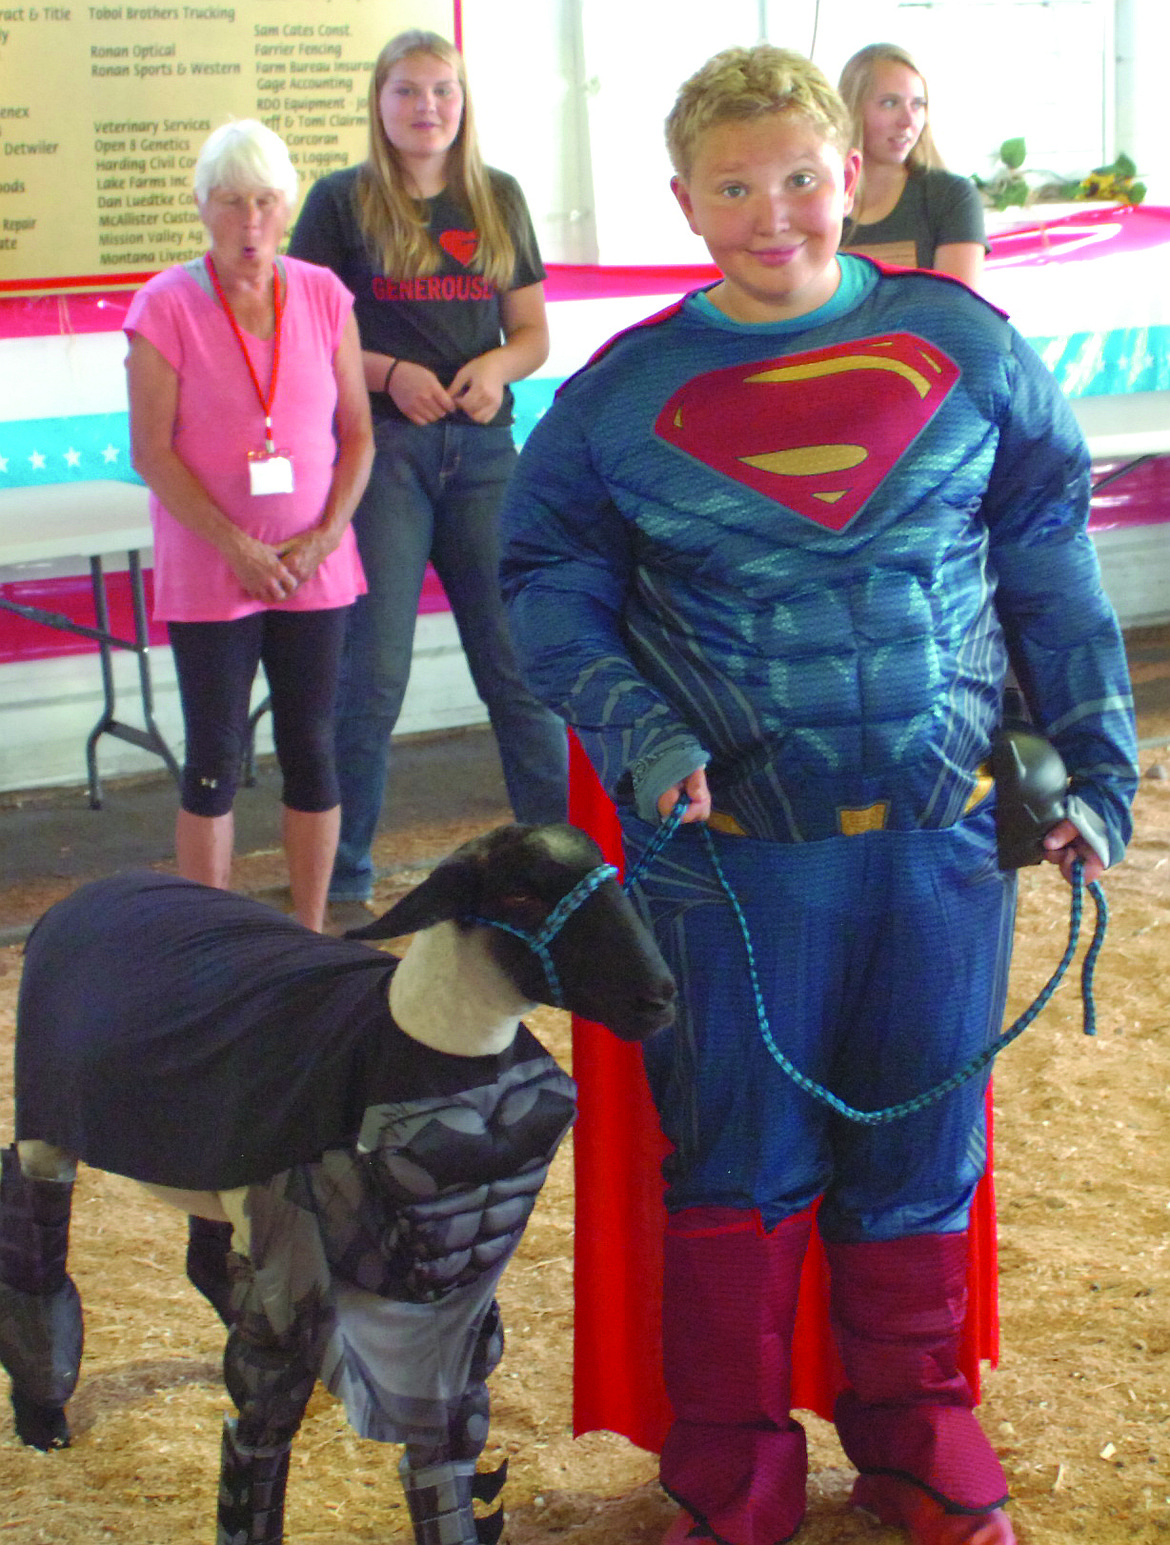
{"x": 871, "y": 818}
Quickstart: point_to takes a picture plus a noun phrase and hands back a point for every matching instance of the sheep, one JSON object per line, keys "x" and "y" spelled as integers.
{"x": 374, "y": 1132}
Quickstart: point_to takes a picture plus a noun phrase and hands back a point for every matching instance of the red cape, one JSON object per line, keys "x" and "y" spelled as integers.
{"x": 618, "y": 1148}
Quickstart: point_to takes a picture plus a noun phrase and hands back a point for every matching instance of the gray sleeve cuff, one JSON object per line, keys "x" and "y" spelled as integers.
{"x": 1093, "y": 829}
{"x": 653, "y": 779}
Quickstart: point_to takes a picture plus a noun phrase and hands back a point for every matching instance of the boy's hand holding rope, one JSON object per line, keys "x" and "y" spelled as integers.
{"x": 1063, "y": 845}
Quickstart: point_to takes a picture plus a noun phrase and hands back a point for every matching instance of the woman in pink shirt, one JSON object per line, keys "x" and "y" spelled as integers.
{"x": 250, "y": 422}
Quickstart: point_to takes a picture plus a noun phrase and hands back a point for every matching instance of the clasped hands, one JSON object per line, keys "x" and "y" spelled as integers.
{"x": 273, "y": 573}
{"x": 477, "y": 390}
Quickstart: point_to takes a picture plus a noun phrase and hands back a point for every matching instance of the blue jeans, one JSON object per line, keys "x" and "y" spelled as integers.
{"x": 434, "y": 493}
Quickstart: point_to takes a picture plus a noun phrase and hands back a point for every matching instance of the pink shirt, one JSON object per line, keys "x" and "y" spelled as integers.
{"x": 218, "y": 420}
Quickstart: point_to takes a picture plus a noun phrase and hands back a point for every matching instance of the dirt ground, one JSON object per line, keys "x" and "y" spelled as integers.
{"x": 1079, "y": 1406}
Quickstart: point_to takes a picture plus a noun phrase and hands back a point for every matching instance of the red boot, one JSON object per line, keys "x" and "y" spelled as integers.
{"x": 906, "y": 1421}
{"x": 734, "y": 1459}
{"x": 685, "y": 1531}
{"x": 893, "y": 1501}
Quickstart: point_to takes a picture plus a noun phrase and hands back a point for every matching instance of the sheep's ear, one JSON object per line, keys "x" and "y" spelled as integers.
{"x": 451, "y": 890}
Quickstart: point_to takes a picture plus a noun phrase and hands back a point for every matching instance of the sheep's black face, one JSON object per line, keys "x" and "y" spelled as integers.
{"x": 607, "y": 964}
{"x": 608, "y": 967}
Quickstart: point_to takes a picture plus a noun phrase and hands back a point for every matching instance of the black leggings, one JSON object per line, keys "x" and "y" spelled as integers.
{"x": 216, "y": 665}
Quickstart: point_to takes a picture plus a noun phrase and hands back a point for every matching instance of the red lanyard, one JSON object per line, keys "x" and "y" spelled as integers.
{"x": 265, "y": 404}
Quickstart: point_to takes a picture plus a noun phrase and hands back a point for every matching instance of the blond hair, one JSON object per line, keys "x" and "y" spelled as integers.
{"x": 393, "y": 221}
{"x": 855, "y": 85}
{"x": 744, "y": 83}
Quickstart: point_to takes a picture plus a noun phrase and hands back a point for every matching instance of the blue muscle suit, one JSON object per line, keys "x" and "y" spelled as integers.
{"x": 803, "y": 554}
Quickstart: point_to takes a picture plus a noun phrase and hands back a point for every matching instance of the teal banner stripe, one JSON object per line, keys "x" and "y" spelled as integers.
{"x": 533, "y": 398}
{"x": 97, "y": 445}
{"x": 65, "y": 450}
{"x": 1125, "y": 359}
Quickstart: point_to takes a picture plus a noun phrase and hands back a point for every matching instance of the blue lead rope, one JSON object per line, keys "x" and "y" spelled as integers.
{"x": 977, "y": 1063}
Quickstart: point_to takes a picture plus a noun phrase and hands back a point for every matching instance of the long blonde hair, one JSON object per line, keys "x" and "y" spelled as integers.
{"x": 855, "y": 85}
{"x": 392, "y": 220}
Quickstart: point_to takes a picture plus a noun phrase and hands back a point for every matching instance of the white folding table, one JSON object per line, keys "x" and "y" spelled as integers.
{"x": 1129, "y": 428}
{"x": 92, "y": 520}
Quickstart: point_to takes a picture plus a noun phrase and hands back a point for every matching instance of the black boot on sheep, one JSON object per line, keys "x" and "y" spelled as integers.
{"x": 252, "y": 1486}
{"x": 440, "y": 1500}
{"x": 40, "y": 1311}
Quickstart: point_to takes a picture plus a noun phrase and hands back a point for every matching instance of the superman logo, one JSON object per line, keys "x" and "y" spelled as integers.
{"x": 816, "y": 432}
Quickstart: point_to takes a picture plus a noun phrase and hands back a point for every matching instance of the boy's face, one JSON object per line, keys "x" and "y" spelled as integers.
{"x": 768, "y": 195}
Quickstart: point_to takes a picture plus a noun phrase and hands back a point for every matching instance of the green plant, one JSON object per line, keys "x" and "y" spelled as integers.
{"x": 1008, "y": 186}
{"x": 1013, "y": 185}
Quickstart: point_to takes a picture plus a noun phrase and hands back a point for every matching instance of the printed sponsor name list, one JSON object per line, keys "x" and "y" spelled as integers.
{"x": 105, "y": 107}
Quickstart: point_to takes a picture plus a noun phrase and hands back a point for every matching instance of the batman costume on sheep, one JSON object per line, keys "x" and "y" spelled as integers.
{"x": 204, "y": 1044}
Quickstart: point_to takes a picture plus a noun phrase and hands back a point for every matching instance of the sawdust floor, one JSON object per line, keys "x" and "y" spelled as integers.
{"x": 1079, "y": 1406}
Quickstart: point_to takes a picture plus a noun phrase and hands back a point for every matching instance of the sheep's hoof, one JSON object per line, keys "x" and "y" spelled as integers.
{"x": 39, "y": 1426}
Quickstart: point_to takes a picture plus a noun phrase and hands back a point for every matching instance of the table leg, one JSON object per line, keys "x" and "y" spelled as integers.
{"x": 149, "y": 739}
{"x": 101, "y": 611}
{"x": 142, "y": 649}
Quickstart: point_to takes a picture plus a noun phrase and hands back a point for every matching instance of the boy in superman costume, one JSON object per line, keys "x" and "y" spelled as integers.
{"x": 771, "y": 552}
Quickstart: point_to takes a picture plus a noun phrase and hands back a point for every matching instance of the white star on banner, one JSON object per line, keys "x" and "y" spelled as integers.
{"x": 37, "y": 461}
{"x": 110, "y": 454}
{"x": 3, "y": 463}
{"x": 72, "y": 458}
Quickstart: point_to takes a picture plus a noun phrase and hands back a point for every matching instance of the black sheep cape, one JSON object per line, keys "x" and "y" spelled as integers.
{"x": 194, "y": 1038}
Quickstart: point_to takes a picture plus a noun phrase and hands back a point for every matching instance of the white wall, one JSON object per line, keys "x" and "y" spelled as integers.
{"x": 576, "y": 109}
{"x": 1143, "y": 121}
{"x": 606, "y": 89}
{"x": 526, "y": 81}
{"x": 633, "y": 68}
{"x": 996, "y": 69}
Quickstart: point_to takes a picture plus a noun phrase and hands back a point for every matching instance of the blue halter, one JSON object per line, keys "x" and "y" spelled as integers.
{"x": 539, "y": 941}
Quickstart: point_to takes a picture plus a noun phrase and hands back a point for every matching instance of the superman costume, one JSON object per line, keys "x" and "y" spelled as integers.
{"x": 802, "y": 554}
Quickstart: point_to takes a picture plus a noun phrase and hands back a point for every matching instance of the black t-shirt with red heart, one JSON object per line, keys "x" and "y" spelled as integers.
{"x": 440, "y": 320}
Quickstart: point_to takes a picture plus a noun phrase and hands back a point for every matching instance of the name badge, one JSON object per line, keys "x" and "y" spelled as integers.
{"x": 270, "y": 472}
